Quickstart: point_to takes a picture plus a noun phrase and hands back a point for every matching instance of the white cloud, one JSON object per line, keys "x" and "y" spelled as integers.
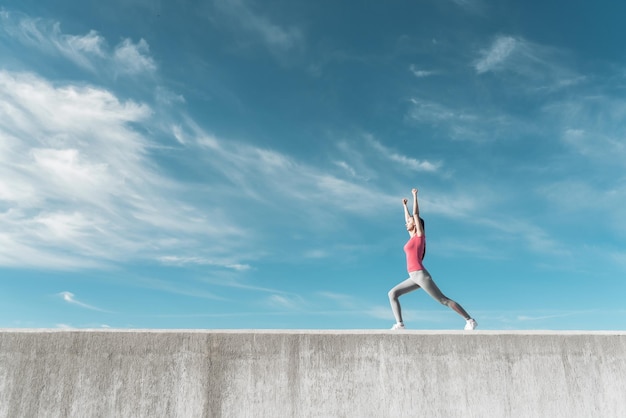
{"x": 239, "y": 283}
{"x": 133, "y": 58}
{"x": 180, "y": 261}
{"x": 454, "y": 205}
{"x": 542, "y": 67}
{"x": 420, "y": 73}
{"x": 344, "y": 301}
{"x": 592, "y": 130}
{"x": 167, "y": 97}
{"x": 436, "y": 113}
{"x": 535, "y": 238}
{"x": 90, "y": 43}
{"x": 317, "y": 253}
{"x": 69, "y": 298}
{"x": 277, "y": 38}
{"x": 178, "y": 287}
{"x": 77, "y": 186}
{"x": 493, "y": 58}
{"x": 283, "y": 302}
{"x": 592, "y": 125}
{"x": 345, "y": 166}
{"x": 595, "y": 144}
{"x": 581, "y": 200}
{"x": 281, "y": 181}
{"x": 475, "y": 6}
{"x": 464, "y": 124}
{"x": 543, "y": 315}
{"x": 618, "y": 257}
{"x": 89, "y": 51}
{"x": 406, "y": 162}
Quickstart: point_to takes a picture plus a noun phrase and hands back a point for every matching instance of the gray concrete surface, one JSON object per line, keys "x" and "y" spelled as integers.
{"x": 254, "y": 373}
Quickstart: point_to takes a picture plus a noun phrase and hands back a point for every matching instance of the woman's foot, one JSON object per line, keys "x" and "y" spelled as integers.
{"x": 470, "y": 324}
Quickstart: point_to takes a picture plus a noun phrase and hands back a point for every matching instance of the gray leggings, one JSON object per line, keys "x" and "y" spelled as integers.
{"x": 416, "y": 280}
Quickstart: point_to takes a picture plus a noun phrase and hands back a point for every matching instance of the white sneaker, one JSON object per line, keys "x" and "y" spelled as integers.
{"x": 397, "y": 326}
{"x": 470, "y": 324}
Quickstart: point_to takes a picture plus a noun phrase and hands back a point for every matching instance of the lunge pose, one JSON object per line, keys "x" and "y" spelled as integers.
{"x": 418, "y": 275}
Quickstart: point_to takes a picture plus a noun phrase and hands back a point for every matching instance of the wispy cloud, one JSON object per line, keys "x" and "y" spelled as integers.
{"x": 546, "y": 67}
{"x": 277, "y": 38}
{"x": 544, "y": 317}
{"x": 181, "y": 261}
{"x": 535, "y": 238}
{"x": 69, "y": 298}
{"x": 178, "y": 287}
{"x": 419, "y": 73}
{"x": 285, "y": 302}
{"x": 463, "y": 123}
{"x": 279, "y": 180}
{"x": 82, "y": 187}
{"x": 407, "y": 162}
{"x": 317, "y": 253}
{"x": 347, "y": 168}
{"x": 131, "y": 58}
{"x": 592, "y": 125}
{"x": 432, "y": 112}
{"x": 595, "y": 144}
{"x": 342, "y": 300}
{"x": 591, "y": 129}
{"x": 619, "y": 257}
{"x": 474, "y": 6}
{"x": 89, "y": 51}
{"x": 602, "y": 202}
{"x": 497, "y": 54}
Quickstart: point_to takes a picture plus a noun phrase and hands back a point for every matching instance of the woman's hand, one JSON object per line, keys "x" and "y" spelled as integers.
{"x": 414, "y": 191}
{"x": 405, "y": 201}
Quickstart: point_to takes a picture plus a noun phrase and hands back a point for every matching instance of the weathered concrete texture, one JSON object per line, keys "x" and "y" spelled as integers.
{"x": 50, "y": 373}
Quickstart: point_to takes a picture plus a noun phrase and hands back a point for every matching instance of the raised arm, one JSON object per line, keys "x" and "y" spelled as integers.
{"x": 407, "y": 215}
{"x": 416, "y": 214}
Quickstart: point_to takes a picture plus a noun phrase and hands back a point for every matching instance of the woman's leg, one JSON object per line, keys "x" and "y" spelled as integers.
{"x": 405, "y": 287}
{"x": 424, "y": 279}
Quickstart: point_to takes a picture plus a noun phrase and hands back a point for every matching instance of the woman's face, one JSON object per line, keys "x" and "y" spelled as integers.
{"x": 410, "y": 224}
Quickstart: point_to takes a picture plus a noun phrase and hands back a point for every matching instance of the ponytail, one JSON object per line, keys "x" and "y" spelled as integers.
{"x": 424, "y": 230}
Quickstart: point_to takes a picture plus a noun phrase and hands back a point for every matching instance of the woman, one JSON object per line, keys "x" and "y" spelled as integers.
{"x": 418, "y": 275}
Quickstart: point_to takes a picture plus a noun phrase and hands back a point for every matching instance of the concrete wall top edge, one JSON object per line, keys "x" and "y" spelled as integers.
{"x": 312, "y": 331}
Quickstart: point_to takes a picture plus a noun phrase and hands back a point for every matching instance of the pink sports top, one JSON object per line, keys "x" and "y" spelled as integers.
{"x": 414, "y": 249}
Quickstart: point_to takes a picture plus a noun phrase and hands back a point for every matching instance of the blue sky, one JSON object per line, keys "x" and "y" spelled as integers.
{"x": 241, "y": 163}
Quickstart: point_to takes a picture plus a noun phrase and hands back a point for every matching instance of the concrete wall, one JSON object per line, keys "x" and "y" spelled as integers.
{"x": 53, "y": 373}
